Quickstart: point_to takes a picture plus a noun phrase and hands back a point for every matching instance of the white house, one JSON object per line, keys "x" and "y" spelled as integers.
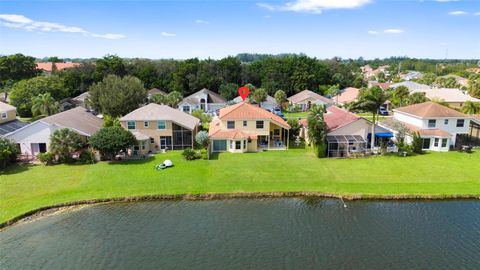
{"x": 306, "y": 98}
{"x": 204, "y": 99}
{"x": 437, "y": 125}
{"x": 35, "y": 137}
{"x": 269, "y": 104}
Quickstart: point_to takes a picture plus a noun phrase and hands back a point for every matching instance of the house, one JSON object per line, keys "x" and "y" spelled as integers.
{"x": 384, "y": 86}
{"x": 81, "y": 99}
{"x": 204, "y": 99}
{"x": 437, "y": 125}
{"x": 244, "y": 127}
{"x": 8, "y": 119}
{"x": 269, "y": 104}
{"x": 155, "y": 91}
{"x": 369, "y": 72}
{"x": 160, "y": 127}
{"x": 411, "y": 75}
{"x": 455, "y": 98}
{"x": 412, "y": 86}
{"x": 34, "y": 138}
{"x": 49, "y": 66}
{"x": 459, "y": 79}
{"x": 348, "y": 133}
{"x": 305, "y": 99}
{"x": 348, "y": 95}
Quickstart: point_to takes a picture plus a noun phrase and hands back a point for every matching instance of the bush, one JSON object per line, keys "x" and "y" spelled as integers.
{"x": 417, "y": 143}
{"x": 204, "y": 153}
{"x": 202, "y": 138}
{"x": 87, "y": 157}
{"x": 46, "y": 158}
{"x": 8, "y": 152}
{"x": 190, "y": 154}
{"x": 111, "y": 140}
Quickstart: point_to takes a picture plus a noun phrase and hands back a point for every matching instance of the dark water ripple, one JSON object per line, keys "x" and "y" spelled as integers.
{"x": 251, "y": 234}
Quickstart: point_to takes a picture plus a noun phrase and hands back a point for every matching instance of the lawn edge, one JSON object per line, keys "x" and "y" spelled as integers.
{"x": 41, "y": 211}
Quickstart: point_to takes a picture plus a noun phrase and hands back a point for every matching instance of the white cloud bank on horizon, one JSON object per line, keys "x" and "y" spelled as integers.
{"x": 202, "y": 22}
{"x": 386, "y": 31}
{"x": 314, "y": 6}
{"x": 16, "y": 21}
{"x": 445, "y": 1}
{"x": 166, "y": 34}
{"x": 458, "y": 13}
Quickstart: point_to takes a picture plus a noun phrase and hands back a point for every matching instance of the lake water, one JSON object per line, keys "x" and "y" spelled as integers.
{"x": 250, "y": 234}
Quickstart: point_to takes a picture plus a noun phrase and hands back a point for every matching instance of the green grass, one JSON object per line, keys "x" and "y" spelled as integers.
{"x": 295, "y": 115}
{"x": 27, "y": 187}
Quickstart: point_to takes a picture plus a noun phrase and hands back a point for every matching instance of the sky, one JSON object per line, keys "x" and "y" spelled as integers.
{"x": 216, "y": 28}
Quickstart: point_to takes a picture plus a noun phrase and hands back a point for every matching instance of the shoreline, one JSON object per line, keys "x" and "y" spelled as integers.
{"x": 37, "y": 213}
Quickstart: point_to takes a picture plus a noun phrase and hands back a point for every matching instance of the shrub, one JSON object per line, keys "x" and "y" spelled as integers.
{"x": 111, "y": 140}
{"x": 202, "y": 138}
{"x": 417, "y": 143}
{"x": 190, "y": 154}
{"x": 204, "y": 153}
{"x": 294, "y": 128}
{"x": 63, "y": 142}
{"x": 47, "y": 158}
{"x": 87, "y": 157}
{"x": 8, "y": 152}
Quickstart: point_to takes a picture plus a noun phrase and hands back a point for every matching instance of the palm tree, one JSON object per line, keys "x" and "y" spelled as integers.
{"x": 44, "y": 104}
{"x": 471, "y": 107}
{"x": 400, "y": 94}
{"x": 317, "y": 129}
{"x": 370, "y": 100}
{"x": 173, "y": 98}
{"x": 63, "y": 142}
{"x": 158, "y": 99}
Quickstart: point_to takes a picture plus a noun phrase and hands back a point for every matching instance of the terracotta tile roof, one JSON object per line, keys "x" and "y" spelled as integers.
{"x": 6, "y": 107}
{"x": 154, "y": 112}
{"x": 214, "y": 132}
{"x": 430, "y": 109}
{"x": 246, "y": 111}
{"x": 48, "y": 66}
{"x": 77, "y": 118}
{"x": 336, "y": 118}
{"x": 306, "y": 94}
{"x": 434, "y": 133}
{"x": 348, "y": 95}
{"x": 383, "y": 86}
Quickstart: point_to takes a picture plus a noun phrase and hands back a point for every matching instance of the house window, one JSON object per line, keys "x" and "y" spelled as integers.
{"x": 146, "y": 124}
{"x": 244, "y": 123}
{"x": 142, "y": 144}
{"x": 186, "y": 109}
{"x": 152, "y": 140}
{"x": 432, "y": 123}
{"x": 4, "y": 115}
{"x": 238, "y": 145}
{"x": 460, "y": 122}
{"x": 230, "y": 124}
{"x": 276, "y": 132}
{"x": 259, "y": 124}
{"x": 161, "y": 124}
{"x": 131, "y": 124}
{"x": 444, "y": 142}
{"x": 426, "y": 143}
{"x": 435, "y": 143}
{"x": 445, "y": 121}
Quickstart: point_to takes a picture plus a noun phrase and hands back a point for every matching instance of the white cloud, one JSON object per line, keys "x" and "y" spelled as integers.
{"x": 444, "y": 1}
{"x": 393, "y": 31}
{"x": 202, "y": 22}
{"x": 21, "y": 22}
{"x": 457, "y": 13}
{"x": 314, "y": 6}
{"x": 477, "y": 14}
{"x": 372, "y": 32}
{"x": 166, "y": 34}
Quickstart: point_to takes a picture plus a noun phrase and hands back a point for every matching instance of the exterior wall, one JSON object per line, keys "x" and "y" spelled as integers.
{"x": 152, "y": 131}
{"x": 231, "y": 146}
{"x": 439, "y": 147}
{"x": 192, "y": 107}
{"x": 11, "y": 115}
{"x": 408, "y": 119}
{"x": 252, "y": 146}
{"x": 251, "y": 127}
{"x": 360, "y": 127}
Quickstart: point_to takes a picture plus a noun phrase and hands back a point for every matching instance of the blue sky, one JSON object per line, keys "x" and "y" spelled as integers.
{"x": 216, "y": 28}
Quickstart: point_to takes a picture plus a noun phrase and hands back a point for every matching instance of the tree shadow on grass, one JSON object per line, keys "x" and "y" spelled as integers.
{"x": 131, "y": 161}
{"x": 16, "y": 168}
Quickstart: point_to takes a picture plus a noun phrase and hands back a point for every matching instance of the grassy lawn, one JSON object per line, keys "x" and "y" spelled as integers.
{"x": 27, "y": 187}
{"x": 295, "y": 115}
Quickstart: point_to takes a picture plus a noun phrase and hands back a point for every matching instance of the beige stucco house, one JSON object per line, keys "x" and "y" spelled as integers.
{"x": 160, "y": 128}
{"x": 244, "y": 127}
{"x": 305, "y": 99}
{"x": 7, "y": 112}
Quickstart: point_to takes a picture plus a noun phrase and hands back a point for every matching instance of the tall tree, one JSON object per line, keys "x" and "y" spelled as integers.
{"x": 471, "y": 107}
{"x": 317, "y": 129}
{"x": 474, "y": 87}
{"x": 173, "y": 98}
{"x": 14, "y": 68}
{"x": 259, "y": 95}
{"x": 280, "y": 97}
{"x": 229, "y": 90}
{"x": 370, "y": 100}
{"x": 44, "y": 104}
{"x": 64, "y": 142}
{"x": 117, "y": 96}
{"x": 111, "y": 140}
{"x": 24, "y": 90}
{"x": 400, "y": 95}
{"x": 109, "y": 65}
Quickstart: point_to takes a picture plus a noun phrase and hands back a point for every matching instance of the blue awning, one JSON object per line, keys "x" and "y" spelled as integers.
{"x": 381, "y": 135}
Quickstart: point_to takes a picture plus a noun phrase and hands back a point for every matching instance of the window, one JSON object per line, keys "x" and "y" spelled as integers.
{"x": 230, "y": 124}
{"x": 161, "y": 124}
{"x": 146, "y": 124}
{"x": 444, "y": 142}
{"x": 460, "y": 122}
{"x": 435, "y": 143}
{"x": 142, "y": 144}
{"x": 432, "y": 123}
{"x": 426, "y": 144}
{"x": 445, "y": 121}
{"x": 249, "y": 140}
{"x": 259, "y": 124}
{"x": 186, "y": 109}
{"x": 276, "y": 132}
{"x": 244, "y": 123}
{"x": 131, "y": 125}
{"x": 152, "y": 140}
{"x": 4, "y": 115}
{"x": 238, "y": 145}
